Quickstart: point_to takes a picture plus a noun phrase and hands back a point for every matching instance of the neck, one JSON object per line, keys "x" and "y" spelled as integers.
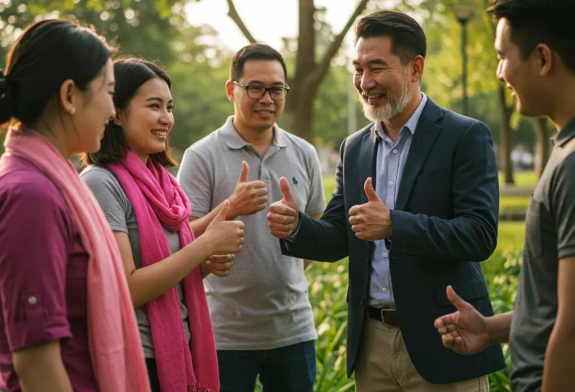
{"x": 143, "y": 157}
{"x": 55, "y": 135}
{"x": 393, "y": 125}
{"x": 563, "y": 105}
{"x": 261, "y": 140}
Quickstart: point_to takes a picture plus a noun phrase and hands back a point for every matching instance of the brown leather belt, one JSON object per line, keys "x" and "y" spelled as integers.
{"x": 387, "y": 316}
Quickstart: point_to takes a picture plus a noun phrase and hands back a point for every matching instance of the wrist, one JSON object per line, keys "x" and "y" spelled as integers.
{"x": 232, "y": 212}
{"x": 204, "y": 245}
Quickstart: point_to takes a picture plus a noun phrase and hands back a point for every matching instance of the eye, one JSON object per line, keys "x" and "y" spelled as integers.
{"x": 256, "y": 89}
{"x": 170, "y": 108}
{"x": 154, "y": 105}
{"x": 278, "y": 90}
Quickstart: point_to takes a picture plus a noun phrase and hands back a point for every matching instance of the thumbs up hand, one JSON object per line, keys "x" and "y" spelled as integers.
{"x": 465, "y": 331}
{"x": 224, "y": 237}
{"x": 248, "y": 197}
{"x": 371, "y": 221}
{"x": 283, "y": 218}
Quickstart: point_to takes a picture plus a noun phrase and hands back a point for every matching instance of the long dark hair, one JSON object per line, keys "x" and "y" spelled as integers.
{"x": 130, "y": 74}
{"x": 48, "y": 53}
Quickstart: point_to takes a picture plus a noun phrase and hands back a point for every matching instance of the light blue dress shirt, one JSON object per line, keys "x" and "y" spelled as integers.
{"x": 391, "y": 158}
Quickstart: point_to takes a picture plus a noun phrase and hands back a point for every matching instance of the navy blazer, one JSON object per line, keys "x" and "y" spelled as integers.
{"x": 444, "y": 223}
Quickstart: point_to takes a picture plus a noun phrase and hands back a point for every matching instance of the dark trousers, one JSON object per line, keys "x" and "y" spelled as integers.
{"x": 285, "y": 369}
{"x": 153, "y": 374}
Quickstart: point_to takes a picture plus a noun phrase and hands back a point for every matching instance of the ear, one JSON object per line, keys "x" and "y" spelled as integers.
{"x": 230, "y": 91}
{"x": 68, "y": 97}
{"x": 120, "y": 115}
{"x": 544, "y": 59}
{"x": 417, "y": 66}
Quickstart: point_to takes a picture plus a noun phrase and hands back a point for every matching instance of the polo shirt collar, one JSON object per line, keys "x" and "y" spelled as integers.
{"x": 565, "y": 135}
{"x": 236, "y": 142}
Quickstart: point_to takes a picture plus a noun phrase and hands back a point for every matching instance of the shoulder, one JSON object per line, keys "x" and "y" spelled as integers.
{"x": 298, "y": 143}
{"x": 98, "y": 174}
{"x": 104, "y": 185}
{"x": 458, "y": 123}
{"x": 206, "y": 145}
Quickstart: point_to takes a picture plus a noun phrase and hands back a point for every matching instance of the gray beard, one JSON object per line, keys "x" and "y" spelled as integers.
{"x": 392, "y": 108}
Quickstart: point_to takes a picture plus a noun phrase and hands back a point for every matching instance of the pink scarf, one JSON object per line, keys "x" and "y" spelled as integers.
{"x": 115, "y": 345}
{"x": 157, "y": 199}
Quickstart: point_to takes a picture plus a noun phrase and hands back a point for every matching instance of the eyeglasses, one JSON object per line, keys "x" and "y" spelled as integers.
{"x": 258, "y": 92}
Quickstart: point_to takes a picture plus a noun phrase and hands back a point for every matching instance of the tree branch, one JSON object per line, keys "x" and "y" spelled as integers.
{"x": 319, "y": 73}
{"x": 233, "y": 13}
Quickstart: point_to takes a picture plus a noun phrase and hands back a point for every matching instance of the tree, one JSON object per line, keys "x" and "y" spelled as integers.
{"x": 309, "y": 72}
{"x": 543, "y": 149}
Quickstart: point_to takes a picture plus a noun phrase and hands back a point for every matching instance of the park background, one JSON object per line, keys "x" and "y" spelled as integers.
{"x": 195, "y": 40}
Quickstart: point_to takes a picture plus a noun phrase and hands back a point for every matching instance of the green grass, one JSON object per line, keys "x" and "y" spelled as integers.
{"x": 522, "y": 178}
{"x": 514, "y": 202}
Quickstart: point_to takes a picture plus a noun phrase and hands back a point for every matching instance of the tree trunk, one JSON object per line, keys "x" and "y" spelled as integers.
{"x": 506, "y": 138}
{"x": 299, "y": 114}
{"x": 543, "y": 149}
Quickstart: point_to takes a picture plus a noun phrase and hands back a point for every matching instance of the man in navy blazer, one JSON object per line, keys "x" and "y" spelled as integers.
{"x": 415, "y": 208}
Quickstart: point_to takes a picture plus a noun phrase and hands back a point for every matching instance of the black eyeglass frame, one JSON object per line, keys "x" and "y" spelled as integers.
{"x": 266, "y": 90}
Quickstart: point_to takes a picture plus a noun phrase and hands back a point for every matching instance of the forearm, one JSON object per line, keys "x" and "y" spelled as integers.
{"x": 40, "y": 369}
{"x": 499, "y": 327}
{"x": 466, "y": 238}
{"x": 150, "y": 282}
{"x": 558, "y": 368}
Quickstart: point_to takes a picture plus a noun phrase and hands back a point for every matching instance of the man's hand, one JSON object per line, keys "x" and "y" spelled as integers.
{"x": 220, "y": 265}
{"x": 283, "y": 218}
{"x": 248, "y": 197}
{"x": 371, "y": 221}
{"x": 465, "y": 331}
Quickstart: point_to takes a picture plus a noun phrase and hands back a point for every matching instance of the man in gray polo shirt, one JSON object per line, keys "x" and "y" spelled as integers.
{"x": 537, "y": 62}
{"x": 262, "y": 318}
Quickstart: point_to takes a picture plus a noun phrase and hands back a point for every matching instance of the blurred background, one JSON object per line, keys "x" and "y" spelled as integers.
{"x": 195, "y": 39}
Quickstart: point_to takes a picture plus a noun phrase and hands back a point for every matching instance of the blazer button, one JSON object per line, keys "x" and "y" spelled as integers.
{"x": 361, "y": 301}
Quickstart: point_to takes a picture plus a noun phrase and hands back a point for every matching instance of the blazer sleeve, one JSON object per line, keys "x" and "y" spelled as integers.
{"x": 324, "y": 239}
{"x": 471, "y": 235}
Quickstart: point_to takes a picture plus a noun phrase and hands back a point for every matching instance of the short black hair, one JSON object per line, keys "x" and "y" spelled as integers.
{"x": 407, "y": 36}
{"x": 535, "y": 22}
{"x": 130, "y": 74}
{"x": 44, "y": 56}
{"x": 254, "y": 52}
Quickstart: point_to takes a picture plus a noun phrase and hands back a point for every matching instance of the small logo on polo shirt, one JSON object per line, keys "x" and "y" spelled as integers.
{"x": 294, "y": 180}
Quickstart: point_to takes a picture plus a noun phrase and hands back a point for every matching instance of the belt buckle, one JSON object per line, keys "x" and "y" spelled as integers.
{"x": 382, "y": 311}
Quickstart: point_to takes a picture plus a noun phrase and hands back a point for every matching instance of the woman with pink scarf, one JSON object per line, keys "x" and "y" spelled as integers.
{"x": 149, "y": 215}
{"x": 66, "y": 317}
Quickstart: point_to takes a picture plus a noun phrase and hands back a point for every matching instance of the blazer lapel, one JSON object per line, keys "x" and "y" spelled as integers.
{"x": 367, "y": 159}
{"x": 423, "y": 139}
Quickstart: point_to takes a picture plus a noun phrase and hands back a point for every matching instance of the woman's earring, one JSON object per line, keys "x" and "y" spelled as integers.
{"x": 73, "y": 110}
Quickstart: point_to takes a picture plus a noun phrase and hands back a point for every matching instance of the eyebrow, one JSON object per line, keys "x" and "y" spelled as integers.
{"x": 378, "y": 61}
{"x": 158, "y": 99}
{"x": 278, "y": 83}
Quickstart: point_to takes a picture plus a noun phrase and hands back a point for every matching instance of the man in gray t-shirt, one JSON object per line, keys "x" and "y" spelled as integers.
{"x": 540, "y": 69}
{"x": 262, "y": 318}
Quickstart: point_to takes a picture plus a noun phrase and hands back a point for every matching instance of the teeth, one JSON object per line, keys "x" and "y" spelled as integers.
{"x": 264, "y": 112}
{"x": 160, "y": 133}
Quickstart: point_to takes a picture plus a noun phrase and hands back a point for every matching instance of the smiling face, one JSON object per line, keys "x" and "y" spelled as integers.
{"x": 148, "y": 119}
{"x": 519, "y": 75}
{"x": 382, "y": 82}
{"x": 258, "y": 115}
{"x": 96, "y": 107}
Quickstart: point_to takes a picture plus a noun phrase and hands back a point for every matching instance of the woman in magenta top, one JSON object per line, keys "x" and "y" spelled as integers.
{"x": 57, "y": 94}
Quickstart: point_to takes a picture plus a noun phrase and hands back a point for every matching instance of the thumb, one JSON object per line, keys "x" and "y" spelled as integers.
{"x": 456, "y": 299}
{"x": 245, "y": 172}
{"x": 369, "y": 191}
{"x": 286, "y": 191}
{"x": 223, "y": 212}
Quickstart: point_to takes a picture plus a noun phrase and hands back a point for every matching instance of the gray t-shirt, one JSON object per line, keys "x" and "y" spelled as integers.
{"x": 263, "y": 304}
{"x": 120, "y": 215}
{"x": 549, "y": 237}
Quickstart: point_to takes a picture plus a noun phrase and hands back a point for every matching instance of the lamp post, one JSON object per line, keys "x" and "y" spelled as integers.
{"x": 464, "y": 13}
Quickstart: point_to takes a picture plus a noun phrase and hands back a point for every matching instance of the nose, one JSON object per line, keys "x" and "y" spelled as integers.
{"x": 267, "y": 98}
{"x": 499, "y": 72}
{"x": 367, "y": 82}
{"x": 167, "y": 119}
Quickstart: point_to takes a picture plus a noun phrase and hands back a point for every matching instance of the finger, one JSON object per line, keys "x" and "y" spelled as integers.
{"x": 221, "y": 266}
{"x": 262, "y": 200}
{"x": 447, "y": 341}
{"x": 353, "y": 211}
{"x": 353, "y": 220}
{"x": 260, "y": 186}
{"x": 456, "y": 300}
{"x": 221, "y": 258}
{"x": 280, "y": 233}
{"x": 223, "y": 212}
{"x": 369, "y": 191}
{"x": 220, "y": 274}
{"x": 244, "y": 174}
{"x": 286, "y": 191}
{"x": 280, "y": 227}
{"x": 281, "y": 209}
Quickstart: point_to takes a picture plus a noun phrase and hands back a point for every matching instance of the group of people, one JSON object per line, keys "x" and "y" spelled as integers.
{"x": 124, "y": 278}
